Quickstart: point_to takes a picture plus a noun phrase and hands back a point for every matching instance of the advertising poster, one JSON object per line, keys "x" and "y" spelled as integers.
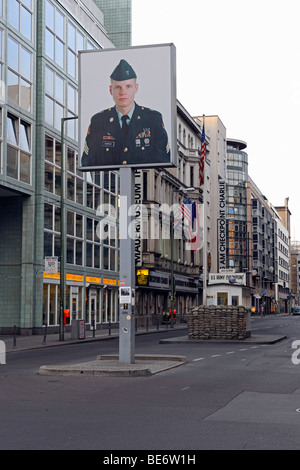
{"x": 127, "y": 108}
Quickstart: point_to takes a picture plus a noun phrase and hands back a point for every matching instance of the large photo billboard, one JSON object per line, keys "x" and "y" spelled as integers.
{"x": 127, "y": 108}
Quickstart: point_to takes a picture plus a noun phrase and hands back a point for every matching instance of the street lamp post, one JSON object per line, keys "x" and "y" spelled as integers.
{"x": 62, "y": 232}
{"x": 180, "y": 190}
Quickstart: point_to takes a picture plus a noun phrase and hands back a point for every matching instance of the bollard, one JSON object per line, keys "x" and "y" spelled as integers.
{"x": 157, "y": 322}
{"x": 94, "y": 328}
{"x": 45, "y": 333}
{"x": 109, "y": 328}
{"x": 15, "y": 337}
{"x": 147, "y": 323}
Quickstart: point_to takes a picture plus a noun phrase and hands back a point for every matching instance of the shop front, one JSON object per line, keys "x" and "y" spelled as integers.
{"x": 153, "y": 294}
{"x": 93, "y": 299}
{"x": 186, "y": 295}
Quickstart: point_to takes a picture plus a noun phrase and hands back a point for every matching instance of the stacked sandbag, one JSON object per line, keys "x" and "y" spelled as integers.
{"x": 217, "y": 322}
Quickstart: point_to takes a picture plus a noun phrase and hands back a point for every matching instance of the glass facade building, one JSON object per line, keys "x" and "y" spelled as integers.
{"x": 39, "y": 44}
{"x": 117, "y": 20}
{"x": 237, "y": 174}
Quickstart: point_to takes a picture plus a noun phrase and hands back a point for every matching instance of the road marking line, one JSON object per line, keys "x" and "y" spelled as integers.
{"x": 243, "y": 349}
{"x": 230, "y": 352}
{"x": 198, "y": 359}
{"x": 216, "y": 355}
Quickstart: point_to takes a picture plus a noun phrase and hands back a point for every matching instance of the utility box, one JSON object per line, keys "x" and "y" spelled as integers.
{"x": 78, "y": 329}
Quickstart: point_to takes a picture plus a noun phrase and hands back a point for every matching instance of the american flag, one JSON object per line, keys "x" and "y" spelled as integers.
{"x": 185, "y": 209}
{"x": 202, "y": 156}
{"x": 183, "y": 212}
{"x": 196, "y": 227}
{"x": 187, "y": 217}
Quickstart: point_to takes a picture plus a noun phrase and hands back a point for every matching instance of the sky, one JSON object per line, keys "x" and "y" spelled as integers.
{"x": 240, "y": 60}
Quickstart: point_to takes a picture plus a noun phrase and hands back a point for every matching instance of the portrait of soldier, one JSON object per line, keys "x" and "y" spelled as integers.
{"x": 126, "y": 133}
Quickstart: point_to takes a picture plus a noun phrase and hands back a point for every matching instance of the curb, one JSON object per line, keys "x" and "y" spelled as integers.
{"x": 108, "y": 365}
{"x": 257, "y": 339}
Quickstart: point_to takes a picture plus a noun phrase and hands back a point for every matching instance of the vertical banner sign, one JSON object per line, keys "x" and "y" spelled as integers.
{"x": 222, "y": 226}
{"x": 138, "y": 196}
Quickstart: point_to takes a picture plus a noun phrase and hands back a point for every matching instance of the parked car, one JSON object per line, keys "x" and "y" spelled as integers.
{"x": 296, "y": 310}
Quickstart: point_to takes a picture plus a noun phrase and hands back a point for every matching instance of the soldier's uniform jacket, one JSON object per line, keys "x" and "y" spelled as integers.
{"x": 146, "y": 139}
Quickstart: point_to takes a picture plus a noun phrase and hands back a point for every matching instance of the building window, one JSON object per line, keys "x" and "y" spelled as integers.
{"x": 52, "y": 165}
{"x": 2, "y": 85}
{"x": 74, "y": 238}
{"x": 108, "y": 237}
{"x": 192, "y": 176}
{"x": 55, "y": 34}
{"x": 92, "y": 244}
{"x": 54, "y": 99}
{"x": 18, "y": 149}
{"x": 1, "y": 137}
{"x": 109, "y": 193}
{"x": 72, "y": 97}
{"x": 105, "y": 183}
{"x": 19, "y": 15}
{"x": 93, "y": 190}
{"x": 19, "y": 74}
{"x": 75, "y": 44}
{"x": 51, "y": 230}
{"x": 74, "y": 178}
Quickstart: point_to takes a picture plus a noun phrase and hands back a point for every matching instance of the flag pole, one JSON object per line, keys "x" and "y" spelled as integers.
{"x": 203, "y": 154}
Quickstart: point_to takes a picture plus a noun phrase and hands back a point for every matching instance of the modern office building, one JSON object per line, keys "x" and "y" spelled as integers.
{"x": 117, "y": 20}
{"x": 39, "y": 44}
{"x": 295, "y": 272}
{"x": 40, "y": 41}
{"x": 283, "y": 261}
{"x": 237, "y": 176}
{"x": 262, "y": 242}
{"x": 228, "y": 282}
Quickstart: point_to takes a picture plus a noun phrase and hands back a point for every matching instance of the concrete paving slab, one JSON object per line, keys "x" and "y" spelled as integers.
{"x": 144, "y": 366}
{"x": 265, "y": 408}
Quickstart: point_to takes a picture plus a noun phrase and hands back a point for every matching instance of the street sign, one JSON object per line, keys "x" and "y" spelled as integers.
{"x": 51, "y": 265}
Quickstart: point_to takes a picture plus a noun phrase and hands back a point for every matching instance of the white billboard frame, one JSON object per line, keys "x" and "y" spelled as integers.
{"x": 155, "y": 67}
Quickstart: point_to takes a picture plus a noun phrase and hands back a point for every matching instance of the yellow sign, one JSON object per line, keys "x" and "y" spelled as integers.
{"x": 74, "y": 277}
{"x": 69, "y": 277}
{"x": 111, "y": 282}
{"x": 142, "y": 277}
{"x": 93, "y": 280}
{"x": 51, "y": 276}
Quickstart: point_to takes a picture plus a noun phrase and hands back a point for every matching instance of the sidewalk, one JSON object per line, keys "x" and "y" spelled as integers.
{"x": 21, "y": 343}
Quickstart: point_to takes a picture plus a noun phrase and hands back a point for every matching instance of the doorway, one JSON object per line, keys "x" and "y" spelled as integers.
{"x": 92, "y": 307}
{"x": 74, "y": 303}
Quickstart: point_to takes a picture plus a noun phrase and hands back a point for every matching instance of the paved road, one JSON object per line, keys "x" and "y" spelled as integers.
{"x": 227, "y": 396}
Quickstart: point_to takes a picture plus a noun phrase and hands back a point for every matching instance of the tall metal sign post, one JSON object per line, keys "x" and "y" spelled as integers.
{"x": 127, "y": 124}
{"x": 63, "y": 231}
{"x": 127, "y": 268}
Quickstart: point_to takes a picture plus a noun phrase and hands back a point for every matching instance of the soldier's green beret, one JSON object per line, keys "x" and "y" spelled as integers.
{"x": 123, "y": 71}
